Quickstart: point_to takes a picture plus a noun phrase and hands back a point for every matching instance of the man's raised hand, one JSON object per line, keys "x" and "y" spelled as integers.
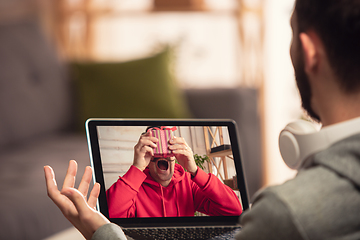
{"x": 72, "y": 202}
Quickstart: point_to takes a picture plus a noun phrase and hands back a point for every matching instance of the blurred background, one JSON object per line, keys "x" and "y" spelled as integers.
{"x": 218, "y": 44}
{"x": 62, "y": 61}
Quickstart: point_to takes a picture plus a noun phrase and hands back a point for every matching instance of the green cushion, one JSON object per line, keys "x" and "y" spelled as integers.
{"x": 143, "y": 88}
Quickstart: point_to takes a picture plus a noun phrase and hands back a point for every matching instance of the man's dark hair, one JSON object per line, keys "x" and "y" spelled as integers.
{"x": 149, "y": 127}
{"x": 337, "y": 22}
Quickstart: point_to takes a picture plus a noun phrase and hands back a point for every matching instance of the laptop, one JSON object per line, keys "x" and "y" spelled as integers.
{"x": 215, "y": 145}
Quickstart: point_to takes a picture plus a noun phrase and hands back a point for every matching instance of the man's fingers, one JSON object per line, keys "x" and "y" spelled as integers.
{"x": 85, "y": 181}
{"x": 148, "y": 142}
{"x": 149, "y": 136}
{"x": 51, "y": 185}
{"x": 77, "y": 198}
{"x": 148, "y": 150}
{"x": 177, "y": 140}
{"x": 70, "y": 175}
{"x": 94, "y": 194}
{"x": 178, "y": 147}
{"x": 52, "y": 189}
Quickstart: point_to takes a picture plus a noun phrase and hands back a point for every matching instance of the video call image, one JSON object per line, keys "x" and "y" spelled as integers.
{"x": 165, "y": 188}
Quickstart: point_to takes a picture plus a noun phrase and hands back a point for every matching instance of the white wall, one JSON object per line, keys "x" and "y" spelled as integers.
{"x": 282, "y": 102}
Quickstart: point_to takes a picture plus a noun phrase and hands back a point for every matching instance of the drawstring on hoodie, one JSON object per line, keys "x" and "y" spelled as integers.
{"x": 179, "y": 175}
{"x": 162, "y": 200}
{"x": 177, "y": 203}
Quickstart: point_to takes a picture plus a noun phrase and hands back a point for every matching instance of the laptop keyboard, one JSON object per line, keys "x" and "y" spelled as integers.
{"x": 183, "y": 233}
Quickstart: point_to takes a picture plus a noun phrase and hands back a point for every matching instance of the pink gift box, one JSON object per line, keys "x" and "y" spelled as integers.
{"x": 164, "y": 134}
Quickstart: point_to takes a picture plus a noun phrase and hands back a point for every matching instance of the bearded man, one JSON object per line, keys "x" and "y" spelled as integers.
{"x": 323, "y": 200}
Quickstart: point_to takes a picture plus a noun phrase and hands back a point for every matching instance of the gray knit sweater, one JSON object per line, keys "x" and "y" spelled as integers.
{"x": 321, "y": 202}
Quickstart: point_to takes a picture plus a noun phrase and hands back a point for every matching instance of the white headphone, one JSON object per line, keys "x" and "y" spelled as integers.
{"x": 300, "y": 140}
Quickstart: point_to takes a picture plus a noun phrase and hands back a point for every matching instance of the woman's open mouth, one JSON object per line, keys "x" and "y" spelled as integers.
{"x": 163, "y": 165}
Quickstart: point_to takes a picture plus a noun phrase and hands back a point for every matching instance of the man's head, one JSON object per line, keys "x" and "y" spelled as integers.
{"x": 337, "y": 25}
{"x": 162, "y": 170}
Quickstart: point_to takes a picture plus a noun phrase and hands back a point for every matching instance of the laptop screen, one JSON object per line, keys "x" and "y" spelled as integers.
{"x": 165, "y": 193}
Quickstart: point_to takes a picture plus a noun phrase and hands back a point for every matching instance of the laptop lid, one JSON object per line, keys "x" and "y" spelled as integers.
{"x": 215, "y": 144}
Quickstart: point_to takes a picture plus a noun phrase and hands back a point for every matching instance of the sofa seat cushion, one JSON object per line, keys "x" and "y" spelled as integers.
{"x": 26, "y": 210}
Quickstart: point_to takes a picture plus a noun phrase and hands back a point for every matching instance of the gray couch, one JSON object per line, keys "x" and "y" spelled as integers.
{"x": 37, "y": 128}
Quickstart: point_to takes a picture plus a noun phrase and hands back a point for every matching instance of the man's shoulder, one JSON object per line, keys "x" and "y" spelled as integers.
{"x": 298, "y": 194}
{"x": 311, "y": 188}
{"x": 306, "y": 182}
{"x": 319, "y": 201}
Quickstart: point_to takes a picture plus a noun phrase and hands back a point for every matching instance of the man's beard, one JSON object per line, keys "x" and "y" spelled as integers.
{"x": 303, "y": 85}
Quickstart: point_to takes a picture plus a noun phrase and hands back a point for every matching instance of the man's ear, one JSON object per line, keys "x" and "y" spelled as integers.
{"x": 310, "y": 51}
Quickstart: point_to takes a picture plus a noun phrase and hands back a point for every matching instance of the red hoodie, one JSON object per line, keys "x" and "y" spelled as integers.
{"x": 137, "y": 194}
